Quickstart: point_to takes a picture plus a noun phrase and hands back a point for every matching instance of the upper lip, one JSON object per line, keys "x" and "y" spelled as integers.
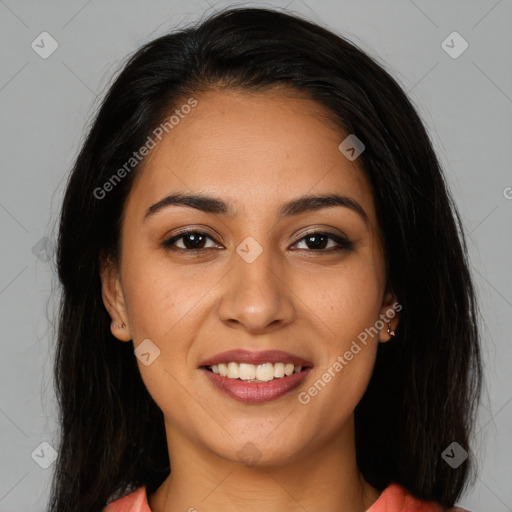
{"x": 250, "y": 357}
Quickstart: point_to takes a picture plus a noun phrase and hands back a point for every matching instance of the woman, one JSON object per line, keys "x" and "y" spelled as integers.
{"x": 266, "y": 297}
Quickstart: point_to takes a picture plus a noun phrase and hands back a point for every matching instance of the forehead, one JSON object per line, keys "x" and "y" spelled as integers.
{"x": 253, "y": 149}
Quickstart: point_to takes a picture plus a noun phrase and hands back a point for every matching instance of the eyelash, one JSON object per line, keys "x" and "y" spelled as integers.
{"x": 343, "y": 243}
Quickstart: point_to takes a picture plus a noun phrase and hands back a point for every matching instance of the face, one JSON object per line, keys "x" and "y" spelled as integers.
{"x": 252, "y": 275}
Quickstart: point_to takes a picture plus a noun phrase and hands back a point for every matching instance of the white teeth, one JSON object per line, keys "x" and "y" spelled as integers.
{"x": 223, "y": 370}
{"x": 247, "y": 371}
{"x": 265, "y": 372}
{"x": 250, "y": 372}
{"x": 279, "y": 370}
{"x": 288, "y": 369}
{"x": 232, "y": 371}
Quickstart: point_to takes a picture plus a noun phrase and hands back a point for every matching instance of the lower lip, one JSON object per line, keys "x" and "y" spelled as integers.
{"x": 256, "y": 392}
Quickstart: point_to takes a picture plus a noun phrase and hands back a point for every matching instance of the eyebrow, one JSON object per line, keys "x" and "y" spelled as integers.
{"x": 303, "y": 204}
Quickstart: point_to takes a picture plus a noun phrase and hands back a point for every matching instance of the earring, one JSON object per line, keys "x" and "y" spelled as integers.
{"x": 390, "y": 331}
{"x": 116, "y": 326}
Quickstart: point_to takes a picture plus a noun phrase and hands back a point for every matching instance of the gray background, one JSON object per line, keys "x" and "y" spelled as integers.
{"x": 46, "y": 104}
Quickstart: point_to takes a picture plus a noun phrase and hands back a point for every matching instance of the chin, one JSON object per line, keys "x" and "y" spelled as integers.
{"x": 260, "y": 450}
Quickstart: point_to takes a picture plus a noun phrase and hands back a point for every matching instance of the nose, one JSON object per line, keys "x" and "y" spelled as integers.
{"x": 256, "y": 296}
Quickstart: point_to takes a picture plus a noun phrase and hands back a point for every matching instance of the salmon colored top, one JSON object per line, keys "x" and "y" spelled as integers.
{"x": 394, "y": 498}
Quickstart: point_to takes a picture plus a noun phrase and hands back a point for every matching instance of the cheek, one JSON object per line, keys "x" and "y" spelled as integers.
{"x": 350, "y": 299}
{"x": 350, "y": 308}
{"x": 159, "y": 297}
{"x": 167, "y": 307}
{"x": 338, "y": 386}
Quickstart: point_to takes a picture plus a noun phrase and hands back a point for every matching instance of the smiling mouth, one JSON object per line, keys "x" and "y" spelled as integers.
{"x": 246, "y": 372}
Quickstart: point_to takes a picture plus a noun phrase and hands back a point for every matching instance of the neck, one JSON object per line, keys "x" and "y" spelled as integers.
{"x": 325, "y": 478}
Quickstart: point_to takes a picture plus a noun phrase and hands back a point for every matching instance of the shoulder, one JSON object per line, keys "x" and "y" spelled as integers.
{"x": 136, "y": 501}
{"x": 398, "y": 499}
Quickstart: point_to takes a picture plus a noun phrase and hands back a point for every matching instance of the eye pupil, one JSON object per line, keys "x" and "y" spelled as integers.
{"x": 310, "y": 240}
{"x": 195, "y": 238}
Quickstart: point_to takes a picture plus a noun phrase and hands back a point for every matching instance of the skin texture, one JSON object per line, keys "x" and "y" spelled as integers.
{"x": 255, "y": 150}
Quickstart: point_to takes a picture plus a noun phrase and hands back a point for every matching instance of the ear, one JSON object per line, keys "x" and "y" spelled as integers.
{"x": 390, "y": 316}
{"x": 113, "y": 298}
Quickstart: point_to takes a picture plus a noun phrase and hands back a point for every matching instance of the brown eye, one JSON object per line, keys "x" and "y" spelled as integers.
{"x": 319, "y": 242}
{"x": 192, "y": 241}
